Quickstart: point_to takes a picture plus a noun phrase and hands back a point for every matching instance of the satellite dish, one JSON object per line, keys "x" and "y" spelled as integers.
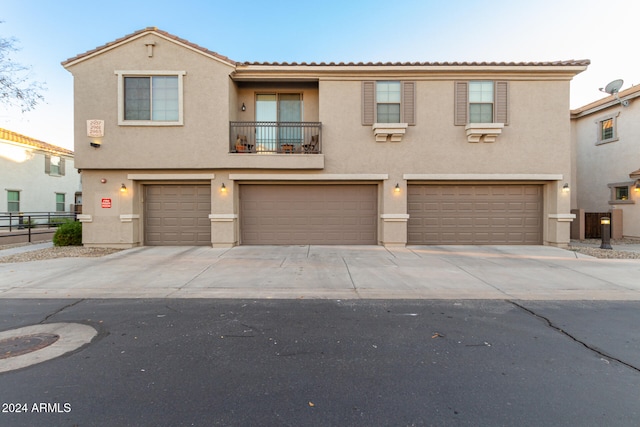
{"x": 613, "y": 87}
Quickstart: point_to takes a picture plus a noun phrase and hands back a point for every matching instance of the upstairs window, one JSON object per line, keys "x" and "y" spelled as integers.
{"x": 13, "y": 201}
{"x": 607, "y": 129}
{"x": 388, "y": 102}
{"x": 146, "y": 99}
{"x": 54, "y": 165}
{"x": 481, "y": 101}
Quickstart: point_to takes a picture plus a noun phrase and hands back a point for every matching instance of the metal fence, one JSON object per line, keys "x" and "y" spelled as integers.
{"x": 29, "y": 224}
{"x": 275, "y": 137}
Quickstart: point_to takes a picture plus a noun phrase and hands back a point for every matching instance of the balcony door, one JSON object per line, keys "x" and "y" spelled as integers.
{"x": 281, "y": 111}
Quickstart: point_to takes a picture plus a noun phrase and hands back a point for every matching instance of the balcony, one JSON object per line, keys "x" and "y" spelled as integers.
{"x": 275, "y": 145}
{"x": 275, "y": 137}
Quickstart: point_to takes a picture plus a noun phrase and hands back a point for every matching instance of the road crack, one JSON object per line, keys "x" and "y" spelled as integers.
{"x": 573, "y": 338}
{"x": 61, "y": 310}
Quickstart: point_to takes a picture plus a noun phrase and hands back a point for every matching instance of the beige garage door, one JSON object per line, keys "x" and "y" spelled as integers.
{"x": 475, "y": 214}
{"x": 308, "y": 214}
{"x": 177, "y": 215}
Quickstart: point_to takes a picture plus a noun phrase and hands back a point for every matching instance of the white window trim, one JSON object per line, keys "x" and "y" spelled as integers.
{"x": 614, "y": 117}
{"x": 151, "y": 73}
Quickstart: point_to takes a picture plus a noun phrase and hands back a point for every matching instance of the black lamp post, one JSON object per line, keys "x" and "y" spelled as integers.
{"x": 606, "y": 233}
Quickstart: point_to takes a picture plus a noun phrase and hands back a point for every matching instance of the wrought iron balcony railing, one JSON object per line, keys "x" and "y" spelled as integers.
{"x": 275, "y": 137}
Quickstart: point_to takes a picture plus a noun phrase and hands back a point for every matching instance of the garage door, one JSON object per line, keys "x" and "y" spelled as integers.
{"x": 177, "y": 215}
{"x": 308, "y": 214}
{"x": 475, "y": 214}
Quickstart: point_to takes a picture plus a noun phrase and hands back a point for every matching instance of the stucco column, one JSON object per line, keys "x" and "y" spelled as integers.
{"x": 224, "y": 218}
{"x": 393, "y": 212}
{"x": 559, "y": 218}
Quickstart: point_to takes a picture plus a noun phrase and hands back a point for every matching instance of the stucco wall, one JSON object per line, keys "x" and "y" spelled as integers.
{"x": 600, "y": 165}
{"x": 24, "y": 171}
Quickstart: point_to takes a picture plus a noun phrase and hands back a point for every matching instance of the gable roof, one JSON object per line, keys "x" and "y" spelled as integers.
{"x": 7, "y": 135}
{"x": 609, "y": 101}
{"x": 138, "y": 34}
{"x": 215, "y": 55}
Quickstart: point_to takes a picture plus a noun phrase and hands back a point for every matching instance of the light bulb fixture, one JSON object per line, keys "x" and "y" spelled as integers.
{"x": 397, "y": 188}
{"x": 223, "y": 188}
{"x": 243, "y": 108}
{"x": 94, "y": 144}
{"x": 123, "y": 188}
{"x": 637, "y": 187}
{"x": 565, "y": 187}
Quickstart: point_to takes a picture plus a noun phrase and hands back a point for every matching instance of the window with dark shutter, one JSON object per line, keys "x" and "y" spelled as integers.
{"x": 409, "y": 103}
{"x": 368, "y": 102}
{"x": 502, "y": 103}
{"x": 461, "y": 95}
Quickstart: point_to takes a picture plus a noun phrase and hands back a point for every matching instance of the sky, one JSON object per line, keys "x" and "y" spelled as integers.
{"x": 51, "y": 31}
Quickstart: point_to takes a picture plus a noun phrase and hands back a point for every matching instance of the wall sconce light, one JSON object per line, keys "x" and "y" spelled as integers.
{"x": 123, "y": 188}
{"x": 637, "y": 187}
{"x": 243, "y": 108}
{"x": 94, "y": 144}
{"x": 223, "y": 188}
{"x": 565, "y": 187}
{"x": 397, "y": 188}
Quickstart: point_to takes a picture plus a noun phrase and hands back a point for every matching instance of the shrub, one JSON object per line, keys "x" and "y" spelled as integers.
{"x": 68, "y": 234}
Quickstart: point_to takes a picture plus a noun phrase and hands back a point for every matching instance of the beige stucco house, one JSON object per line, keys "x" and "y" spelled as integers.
{"x": 607, "y": 160}
{"x": 179, "y": 145}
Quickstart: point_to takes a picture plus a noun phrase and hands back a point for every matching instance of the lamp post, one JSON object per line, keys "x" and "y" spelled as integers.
{"x": 606, "y": 233}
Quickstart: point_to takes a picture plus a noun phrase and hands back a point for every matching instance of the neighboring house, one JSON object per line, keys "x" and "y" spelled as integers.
{"x": 179, "y": 145}
{"x": 36, "y": 176}
{"x": 606, "y": 136}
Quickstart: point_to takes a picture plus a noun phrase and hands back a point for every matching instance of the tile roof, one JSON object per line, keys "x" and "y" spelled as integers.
{"x": 148, "y": 30}
{"x": 635, "y": 174}
{"x": 7, "y": 135}
{"x": 627, "y": 92}
{"x": 571, "y": 62}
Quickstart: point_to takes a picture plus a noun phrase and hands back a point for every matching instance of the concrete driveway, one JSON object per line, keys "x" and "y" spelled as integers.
{"x": 335, "y": 272}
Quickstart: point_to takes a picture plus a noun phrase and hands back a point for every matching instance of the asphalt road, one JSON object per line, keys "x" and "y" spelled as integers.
{"x": 202, "y": 362}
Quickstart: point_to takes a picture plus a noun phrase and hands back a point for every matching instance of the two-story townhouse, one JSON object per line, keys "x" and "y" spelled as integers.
{"x": 36, "y": 176}
{"x": 605, "y": 136}
{"x": 182, "y": 146}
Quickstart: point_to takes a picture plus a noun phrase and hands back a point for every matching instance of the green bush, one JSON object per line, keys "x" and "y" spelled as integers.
{"x": 68, "y": 234}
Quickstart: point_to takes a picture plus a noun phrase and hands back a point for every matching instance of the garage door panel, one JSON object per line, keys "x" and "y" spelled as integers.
{"x": 474, "y": 214}
{"x": 177, "y": 215}
{"x": 308, "y": 214}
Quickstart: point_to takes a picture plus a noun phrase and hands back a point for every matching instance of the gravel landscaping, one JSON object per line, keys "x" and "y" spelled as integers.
{"x": 54, "y": 252}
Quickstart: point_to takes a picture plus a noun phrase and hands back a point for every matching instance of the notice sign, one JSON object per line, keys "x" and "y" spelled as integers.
{"x": 106, "y": 203}
{"x": 95, "y": 128}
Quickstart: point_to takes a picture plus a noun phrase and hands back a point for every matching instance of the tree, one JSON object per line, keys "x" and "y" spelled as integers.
{"x": 16, "y": 89}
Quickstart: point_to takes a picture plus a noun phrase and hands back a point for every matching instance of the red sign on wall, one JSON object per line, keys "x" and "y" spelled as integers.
{"x": 106, "y": 203}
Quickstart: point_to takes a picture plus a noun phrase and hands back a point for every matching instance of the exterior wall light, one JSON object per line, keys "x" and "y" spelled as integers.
{"x": 243, "y": 108}
{"x": 637, "y": 187}
{"x": 94, "y": 144}
{"x": 123, "y": 188}
{"x": 397, "y": 188}
{"x": 223, "y": 188}
{"x": 565, "y": 187}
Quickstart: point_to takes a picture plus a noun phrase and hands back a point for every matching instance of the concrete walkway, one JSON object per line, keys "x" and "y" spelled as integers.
{"x": 335, "y": 272}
